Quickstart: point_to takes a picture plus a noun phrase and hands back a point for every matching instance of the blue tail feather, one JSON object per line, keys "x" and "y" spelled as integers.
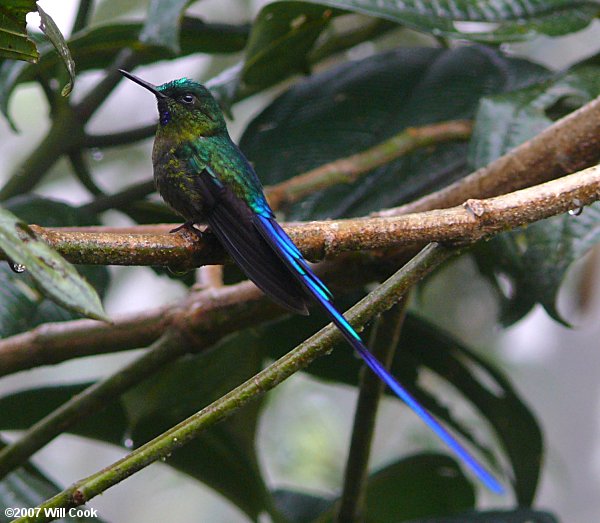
{"x": 289, "y": 253}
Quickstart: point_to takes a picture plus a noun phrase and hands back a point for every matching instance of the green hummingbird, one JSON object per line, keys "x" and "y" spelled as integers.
{"x": 202, "y": 174}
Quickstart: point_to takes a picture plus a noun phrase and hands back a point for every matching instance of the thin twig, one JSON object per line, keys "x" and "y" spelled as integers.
{"x": 386, "y": 334}
{"x": 348, "y": 170}
{"x": 377, "y": 302}
{"x": 125, "y": 59}
{"x": 121, "y": 199}
{"x": 84, "y": 13}
{"x": 568, "y": 145}
{"x": 83, "y": 173}
{"x": 119, "y": 138}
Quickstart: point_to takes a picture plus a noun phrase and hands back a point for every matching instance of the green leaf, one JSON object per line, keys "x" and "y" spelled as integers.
{"x": 418, "y": 486}
{"x": 14, "y": 42}
{"x": 536, "y": 258}
{"x": 499, "y": 21}
{"x": 22, "y": 409}
{"x": 506, "y": 120}
{"x": 223, "y": 456}
{"x": 300, "y": 507}
{"x": 519, "y": 515}
{"x": 53, "y": 275}
{"x": 359, "y": 104}
{"x": 281, "y": 38}
{"x": 425, "y": 347}
{"x": 51, "y": 30}
{"x": 21, "y": 304}
{"x": 487, "y": 389}
{"x": 162, "y": 24}
{"x": 95, "y": 48}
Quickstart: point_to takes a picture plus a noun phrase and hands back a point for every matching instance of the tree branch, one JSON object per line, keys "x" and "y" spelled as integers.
{"x": 53, "y": 343}
{"x": 568, "y": 145}
{"x": 474, "y": 220}
{"x": 348, "y": 170}
{"x": 386, "y": 334}
{"x": 380, "y": 300}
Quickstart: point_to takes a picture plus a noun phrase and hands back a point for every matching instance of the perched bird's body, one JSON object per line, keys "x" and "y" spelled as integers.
{"x": 204, "y": 176}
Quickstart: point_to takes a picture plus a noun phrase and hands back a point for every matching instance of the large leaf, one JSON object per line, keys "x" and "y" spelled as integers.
{"x": 519, "y": 515}
{"x": 424, "y": 347}
{"x": 281, "y": 38}
{"x": 419, "y": 486}
{"x": 162, "y": 23}
{"x": 506, "y": 120}
{"x": 96, "y": 48}
{"x": 21, "y": 305}
{"x": 223, "y": 456}
{"x": 280, "y": 41}
{"x": 536, "y": 258}
{"x": 359, "y": 104}
{"x": 14, "y": 41}
{"x": 498, "y": 21}
{"x": 53, "y": 275}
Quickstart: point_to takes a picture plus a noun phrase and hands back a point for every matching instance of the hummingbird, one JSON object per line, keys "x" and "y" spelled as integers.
{"x": 204, "y": 176}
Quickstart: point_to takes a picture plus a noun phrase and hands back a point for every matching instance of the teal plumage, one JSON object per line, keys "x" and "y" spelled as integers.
{"x": 204, "y": 176}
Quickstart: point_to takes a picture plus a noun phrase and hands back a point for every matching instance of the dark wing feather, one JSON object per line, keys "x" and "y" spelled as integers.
{"x": 231, "y": 221}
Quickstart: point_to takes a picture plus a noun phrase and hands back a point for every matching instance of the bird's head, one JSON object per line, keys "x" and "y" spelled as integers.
{"x": 185, "y": 106}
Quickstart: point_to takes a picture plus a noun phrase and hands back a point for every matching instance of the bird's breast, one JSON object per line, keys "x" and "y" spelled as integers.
{"x": 177, "y": 184}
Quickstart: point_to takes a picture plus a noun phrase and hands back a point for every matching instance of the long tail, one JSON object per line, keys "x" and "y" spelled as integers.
{"x": 292, "y": 257}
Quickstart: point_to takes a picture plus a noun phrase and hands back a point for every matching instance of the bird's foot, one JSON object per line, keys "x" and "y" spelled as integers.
{"x": 189, "y": 227}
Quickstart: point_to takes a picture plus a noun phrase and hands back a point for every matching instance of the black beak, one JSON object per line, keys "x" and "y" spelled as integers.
{"x": 151, "y": 87}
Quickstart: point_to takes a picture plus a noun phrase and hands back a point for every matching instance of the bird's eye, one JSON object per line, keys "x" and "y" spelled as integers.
{"x": 187, "y": 98}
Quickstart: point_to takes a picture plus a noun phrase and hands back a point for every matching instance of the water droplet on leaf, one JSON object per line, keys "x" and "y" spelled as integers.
{"x": 17, "y": 267}
{"x": 97, "y": 154}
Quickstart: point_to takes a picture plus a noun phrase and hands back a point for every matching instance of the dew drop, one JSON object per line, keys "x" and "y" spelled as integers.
{"x": 97, "y": 154}
{"x": 17, "y": 267}
{"x": 128, "y": 443}
{"x": 578, "y": 209}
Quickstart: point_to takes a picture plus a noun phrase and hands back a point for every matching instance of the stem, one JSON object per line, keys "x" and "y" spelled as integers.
{"x": 126, "y": 59}
{"x": 567, "y": 146}
{"x": 473, "y": 221}
{"x": 67, "y": 131}
{"x": 120, "y": 199}
{"x": 83, "y": 173}
{"x": 377, "y": 302}
{"x": 64, "y": 135}
{"x": 349, "y": 169}
{"x": 385, "y": 338}
{"x": 120, "y": 138}
{"x": 84, "y": 13}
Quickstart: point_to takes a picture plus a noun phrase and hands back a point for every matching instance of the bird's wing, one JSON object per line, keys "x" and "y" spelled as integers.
{"x": 231, "y": 220}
